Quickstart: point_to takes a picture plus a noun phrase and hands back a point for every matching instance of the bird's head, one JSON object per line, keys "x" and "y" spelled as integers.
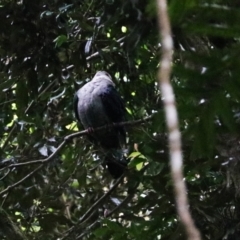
{"x": 103, "y": 74}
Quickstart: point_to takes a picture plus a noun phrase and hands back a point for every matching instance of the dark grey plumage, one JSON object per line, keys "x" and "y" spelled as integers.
{"x": 97, "y": 104}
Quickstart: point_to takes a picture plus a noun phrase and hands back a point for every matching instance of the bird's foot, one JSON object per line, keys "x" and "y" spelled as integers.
{"x": 90, "y": 130}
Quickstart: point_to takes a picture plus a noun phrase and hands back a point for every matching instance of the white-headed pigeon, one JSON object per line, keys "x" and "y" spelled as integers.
{"x": 98, "y": 104}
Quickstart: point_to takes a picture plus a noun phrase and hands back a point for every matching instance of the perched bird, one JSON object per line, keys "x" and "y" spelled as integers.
{"x": 97, "y": 104}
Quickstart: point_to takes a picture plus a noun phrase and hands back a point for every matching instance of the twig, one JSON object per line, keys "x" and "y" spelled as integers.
{"x": 25, "y": 112}
{"x": 4, "y": 199}
{"x": 40, "y": 161}
{"x": 9, "y": 228}
{"x": 99, "y": 201}
{"x": 106, "y": 49}
{"x": 5, "y": 175}
{"x": 93, "y": 207}
{"x": 9, "y": 135}
{"x": 126, "y": 200}
{"x": 172, "y": 122}
{"x": 20, "y": 181}
{"x": 88, "y": 229}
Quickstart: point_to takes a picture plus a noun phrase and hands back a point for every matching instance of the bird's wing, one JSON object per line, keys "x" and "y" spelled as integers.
{"x": 113, "y": 104}
{"x": 114, "y": 107}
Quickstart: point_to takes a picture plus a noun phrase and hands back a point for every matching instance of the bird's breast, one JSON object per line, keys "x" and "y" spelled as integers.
{"x": 91, "y": 109}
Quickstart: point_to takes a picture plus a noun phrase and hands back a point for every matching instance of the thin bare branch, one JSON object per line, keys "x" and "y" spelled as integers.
{"x": 39, "y": 161}
{"x": 125, "y": 201}
{"x": 14, "y": 126}
{"x": 20, "y": 181}
{"x": 93, "y": 225}
{"x": 100, "y": 200}
{"x": 174, "y": 135}
{"x": 117, "y": 208}
{"x": 5, "y": 175}
{"x": 93, "y": 207}
{"x": 88, "y": 229}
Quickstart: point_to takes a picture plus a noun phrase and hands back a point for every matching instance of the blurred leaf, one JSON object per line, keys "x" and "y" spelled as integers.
{"x": 46, "y": 13}
{"x": 114, "y": 226}
{"x": 100, "y": 232}
{"x": 43, "y": 150}
{"x": 60, "y": 40}
{"x": 65, "y": 8}
{"x": 7, "y": 84}
{"x": 154, "y": 168}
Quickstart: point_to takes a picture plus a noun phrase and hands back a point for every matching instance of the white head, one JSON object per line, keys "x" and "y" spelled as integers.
{"x": 103, "y": 74}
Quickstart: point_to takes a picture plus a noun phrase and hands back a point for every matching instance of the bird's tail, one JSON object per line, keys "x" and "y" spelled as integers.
{"x": 116, "y": 162}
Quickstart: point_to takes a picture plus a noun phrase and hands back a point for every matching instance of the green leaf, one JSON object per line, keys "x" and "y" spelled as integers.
{"x": 154, "y": 168}
{"x": 114, "y": 226}
{"x": 7, "y": 84}
{"x": 60, "y": 40}
{"x": 100, "y": 232}
{"x": 137, "y": 160}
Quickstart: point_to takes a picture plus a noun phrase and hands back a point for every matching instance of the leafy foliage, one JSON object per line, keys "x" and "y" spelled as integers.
{"x": 49, "y": 49}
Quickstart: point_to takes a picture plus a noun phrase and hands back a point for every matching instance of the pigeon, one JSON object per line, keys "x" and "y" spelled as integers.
{"x": 98, "y": 104}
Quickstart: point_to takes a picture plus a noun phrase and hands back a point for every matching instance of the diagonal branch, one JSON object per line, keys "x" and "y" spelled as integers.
{"x": 100, "y": 200}
{"x": 92, "y": 208}
{"x": 127, "y": 199}
{"x": 174, "y": 136}
{"x": 14, "y": 126}
{"x": 93, "y": 225}
{"x": 20, "y": 181}
{"x": 75, "y": 135}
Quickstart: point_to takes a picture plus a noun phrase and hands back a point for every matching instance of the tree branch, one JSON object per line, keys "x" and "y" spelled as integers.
{"x": 93, "y": 207}
{"x": 74, "y": 135}
{"x": 174, "y": 136}
{"x": 9, "y": 228}
{"x": 100, "y": 200}
{"x": 25, "y": 112}
{"x": 20, "y": 181}
{"x": 126, "y": 200}
{"x": 66, "y": 139}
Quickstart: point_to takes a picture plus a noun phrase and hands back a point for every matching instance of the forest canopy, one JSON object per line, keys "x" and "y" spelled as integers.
{"x": 50, "y": 49}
